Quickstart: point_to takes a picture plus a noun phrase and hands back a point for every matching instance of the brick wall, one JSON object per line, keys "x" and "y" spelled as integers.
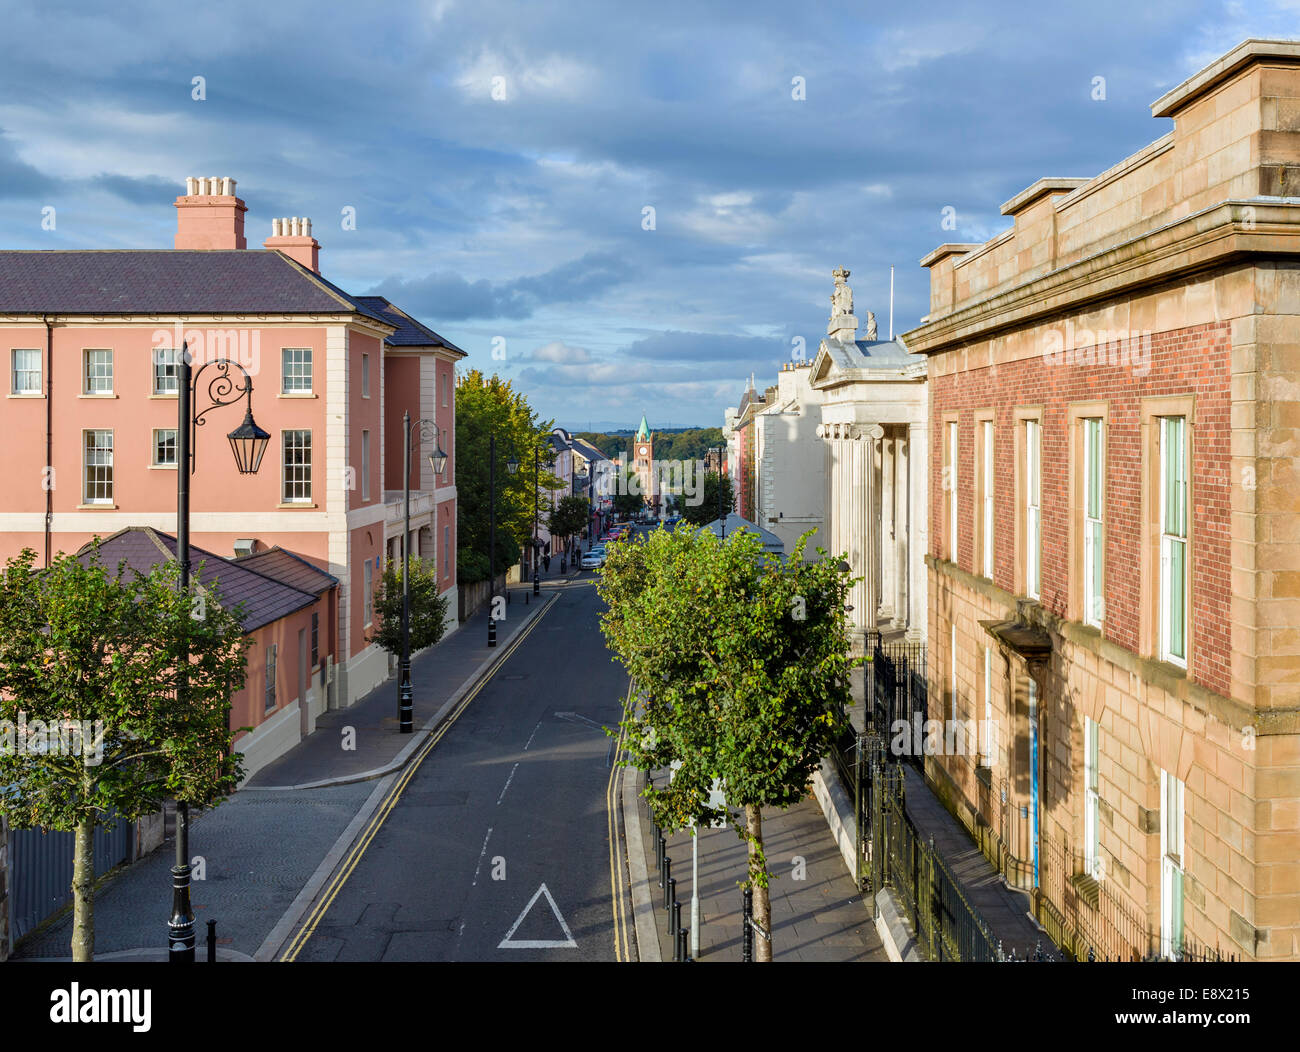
{"x": 1193, "y": 360}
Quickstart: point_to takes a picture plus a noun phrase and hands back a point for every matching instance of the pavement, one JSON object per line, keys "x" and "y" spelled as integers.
{"x": 270, "y": 843}
{"x": 817, "y": 912}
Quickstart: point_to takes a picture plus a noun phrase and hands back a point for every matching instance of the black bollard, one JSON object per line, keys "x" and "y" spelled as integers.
{"x": 670, "y": 897}
{"x": 669, "y": 880}
{"x": 683, "y": 951}
{"x": 746, "y": 928}
{"x": 212, "y": 942}
{"x": 675, "y": 915}
{"x": 663, "y": 857}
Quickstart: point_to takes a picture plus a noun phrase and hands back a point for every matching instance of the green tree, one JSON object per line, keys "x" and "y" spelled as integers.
{"x": 428, "y": 607}
{"x": 570, "y": 517}
{"x": 93, "y": 654}
{"x": 487, "y": 406}
{"x": 628, "y": 500}
{"x": 708, "y": 509}
{"x": 743, "y": 661}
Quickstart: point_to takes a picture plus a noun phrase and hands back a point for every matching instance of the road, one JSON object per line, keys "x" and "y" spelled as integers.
{"x": 498, "y": 846}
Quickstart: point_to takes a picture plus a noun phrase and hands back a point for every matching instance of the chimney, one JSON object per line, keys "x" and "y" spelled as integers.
{"x": 292, "y": 236}
{"x": 210, "y": 216}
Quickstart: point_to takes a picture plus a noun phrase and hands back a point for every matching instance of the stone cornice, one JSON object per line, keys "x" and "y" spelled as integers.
{"x": 1220, "y": 234}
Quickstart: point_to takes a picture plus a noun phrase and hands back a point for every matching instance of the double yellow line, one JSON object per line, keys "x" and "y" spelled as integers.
{"x": 390, "y": 801}
{"x": 613, "y": 815}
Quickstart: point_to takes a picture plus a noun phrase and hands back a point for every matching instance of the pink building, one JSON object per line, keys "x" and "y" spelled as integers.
{"x": 89, "y": 342}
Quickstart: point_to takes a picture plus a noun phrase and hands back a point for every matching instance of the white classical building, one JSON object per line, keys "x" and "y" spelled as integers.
{"x": 874, "y": 416}
{"x": 789, "y": 463}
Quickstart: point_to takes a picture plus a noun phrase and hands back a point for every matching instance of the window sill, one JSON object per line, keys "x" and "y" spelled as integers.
{"x": 29, "y": 394}
{"x": 305, "y": 504}
{"x": 162, "y": 467}
{"x": 173, "y": 397}
{"x": 1087, "y": 887}
{"x": 297, "y": 394}
{"x": 96, "y": 396}
{"x": 96, "y": 507}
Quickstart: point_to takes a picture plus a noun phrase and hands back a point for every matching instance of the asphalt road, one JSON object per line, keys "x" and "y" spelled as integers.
{"x": 509, "y": 808}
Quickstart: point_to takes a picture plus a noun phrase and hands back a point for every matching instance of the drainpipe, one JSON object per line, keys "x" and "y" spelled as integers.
{"x": 49, "y": 432}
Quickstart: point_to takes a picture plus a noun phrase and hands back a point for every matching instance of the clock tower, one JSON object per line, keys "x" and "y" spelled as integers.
{"x": 643, "y": 449}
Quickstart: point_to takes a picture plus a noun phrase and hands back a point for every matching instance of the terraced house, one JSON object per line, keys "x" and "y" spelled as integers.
{"x": 1114, "y": 556}
{"x": 88, "y": 351}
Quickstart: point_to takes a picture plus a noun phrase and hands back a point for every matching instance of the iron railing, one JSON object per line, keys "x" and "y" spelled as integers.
{"x": 899, "y": 688}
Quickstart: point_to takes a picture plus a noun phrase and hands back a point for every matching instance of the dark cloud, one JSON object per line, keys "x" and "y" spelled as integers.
{"x": 18, "y": 179}
{"x": 147, "y": 191}
{"x": 675, "y": 346}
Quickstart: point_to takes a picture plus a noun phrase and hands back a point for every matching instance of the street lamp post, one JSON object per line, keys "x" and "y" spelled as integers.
{"x": 437, "y": 461}
{"x": 248, "y": 444}
{"x": 537, "y": 504}
{"x": 512, "y": 465}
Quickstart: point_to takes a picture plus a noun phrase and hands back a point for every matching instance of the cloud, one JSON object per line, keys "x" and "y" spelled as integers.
{"x": 695, "y": 347}
{"x": 557, "y": 351}
{"x": 448, "y": 296}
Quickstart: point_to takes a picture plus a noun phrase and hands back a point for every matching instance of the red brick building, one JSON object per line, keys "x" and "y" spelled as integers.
{"x": 1115, "y": 530}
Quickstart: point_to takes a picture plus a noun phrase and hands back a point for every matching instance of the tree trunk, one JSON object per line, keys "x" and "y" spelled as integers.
{"x": 757, "y": 872}
{"x": 83, "y": 892}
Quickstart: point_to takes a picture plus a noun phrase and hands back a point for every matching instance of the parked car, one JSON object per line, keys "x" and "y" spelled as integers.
{"x": 594, "y": 559}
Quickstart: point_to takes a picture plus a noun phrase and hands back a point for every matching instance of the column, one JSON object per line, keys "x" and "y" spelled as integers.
{"x": 902, "y": 524}
{"x": 919, "y": 523}
{"x": 888, "y": 567}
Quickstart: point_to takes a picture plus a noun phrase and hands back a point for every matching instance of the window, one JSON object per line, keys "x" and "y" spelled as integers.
{"x": 447, "y": 463}
{"x": 988, "y": 706}
{"x": 1091, "y": 800}
{"x": 986, "y": 496}
{"x": 950, "y": 487}
{"x": 297, "y": 466}
{"x": 1171, "y": 865}
{"x": 367, "y": 591}
{"x": 952, "y": 660}
{"x": 365, "y": 465}
{"x": 295, "y": 370}
{"x": 98, "y": 488}
{"x": 443, "y": 378}
{"x": 26, "y": 371}
{"x": 164, "y": 447}
{"x": 446, "y": 547}
{"x": 315, "y": 639}
{"x": 1033, "y": 510}
{"x": 98, "y": 373}
{"x": 166, "y": 372}
{"x": 365, "y": 376}
{"x": 1093, "y": 459}
{"x": 270, "y": 677}
{"x": 1173, "y": 539}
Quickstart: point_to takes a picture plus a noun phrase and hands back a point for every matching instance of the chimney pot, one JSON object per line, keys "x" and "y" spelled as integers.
{"x": 213, "y": 224}
{"x": 214, "y": 185}
{"x": 191, "y": 186}
{"x": 228, "y": 187}
{"x": 306, "y": 227}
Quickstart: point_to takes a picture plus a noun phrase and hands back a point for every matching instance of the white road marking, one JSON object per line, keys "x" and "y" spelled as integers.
{"x": 480, "y": 861}
{"x": 507, "y": 785}
{"x": 533, "y": 735}
{"x": 567, "y": 943}
{"x": 577, "y": 717}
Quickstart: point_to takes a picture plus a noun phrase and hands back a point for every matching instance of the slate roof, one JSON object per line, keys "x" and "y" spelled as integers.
{"x": 869, "y": 354}
{"x": 290, "y": 569}
{"x": 265, "y": 599}
{"x": 588, "y": 450}
{"x": 771, "y": 542}
{"x": 410, "y": 333}
{"x": 167, "y": 281}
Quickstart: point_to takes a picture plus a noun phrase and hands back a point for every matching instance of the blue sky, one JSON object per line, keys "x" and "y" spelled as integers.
{"x": 519, "y": 220}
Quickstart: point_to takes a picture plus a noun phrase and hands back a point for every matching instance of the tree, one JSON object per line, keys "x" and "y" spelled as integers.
{"x": 428, "y": 607}
{"x": 743, "y": 661}
{"x": 92, "y": 657}
{"x": 628, "y": 500}
{"x": 708, "y": 509}
{"x": 486, "y": 407}
{"x": 570, "y": 517}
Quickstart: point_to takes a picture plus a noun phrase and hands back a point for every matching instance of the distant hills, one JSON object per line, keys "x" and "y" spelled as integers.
{"x": 670, "y": 443}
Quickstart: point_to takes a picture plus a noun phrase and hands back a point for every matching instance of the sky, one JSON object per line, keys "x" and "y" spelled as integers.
{"x": 623, "y": 208}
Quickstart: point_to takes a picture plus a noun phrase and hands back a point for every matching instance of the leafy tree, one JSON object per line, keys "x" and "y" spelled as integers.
{"x": 570, "y": 517}
{"x": 86, "y": 648}
{"x": 708, "y": 509}
{"x": 628, "y": 500}
{"x": 428, "y": 607}
{"x": 744, "y": 662}
{"x": 487, "y": 406}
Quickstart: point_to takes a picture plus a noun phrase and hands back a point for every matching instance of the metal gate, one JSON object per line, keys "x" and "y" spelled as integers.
{"x": 40, "y": 870}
